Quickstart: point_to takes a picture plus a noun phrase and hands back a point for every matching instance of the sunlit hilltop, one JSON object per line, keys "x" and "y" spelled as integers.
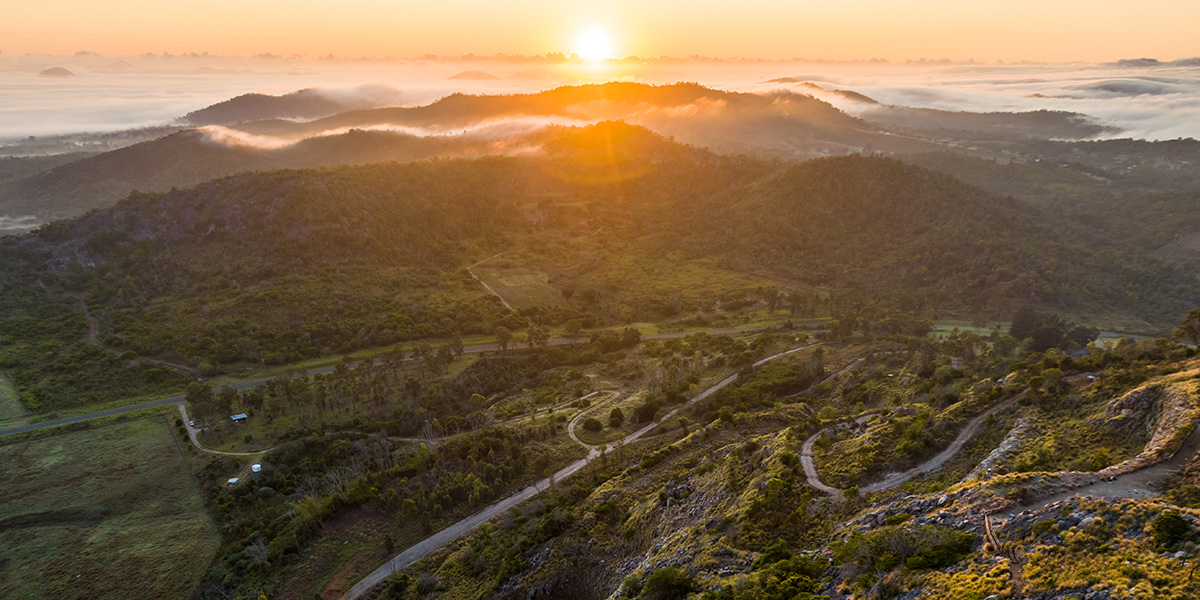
{"x": 652, "y": 300}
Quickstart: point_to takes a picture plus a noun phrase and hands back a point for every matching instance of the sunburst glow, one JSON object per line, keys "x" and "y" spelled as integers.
{"x": 594, "y": 45}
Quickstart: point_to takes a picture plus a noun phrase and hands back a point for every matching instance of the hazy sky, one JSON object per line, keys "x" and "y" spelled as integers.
{"x": 986, "y": 30}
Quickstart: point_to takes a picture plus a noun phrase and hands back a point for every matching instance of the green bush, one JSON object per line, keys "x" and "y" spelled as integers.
{"x": 1169, "y": 529}
{"x": 667, "y": 583}
{"x": 616, "y": 418}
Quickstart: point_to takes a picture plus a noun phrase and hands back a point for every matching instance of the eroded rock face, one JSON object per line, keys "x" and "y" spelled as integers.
{"x": 1134, "y": 410}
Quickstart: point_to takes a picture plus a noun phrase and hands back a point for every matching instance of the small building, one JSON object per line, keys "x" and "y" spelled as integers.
{"x": 233, "y": 481}
{"x": 238, "y": 418}
{"x": 256, "y": 468}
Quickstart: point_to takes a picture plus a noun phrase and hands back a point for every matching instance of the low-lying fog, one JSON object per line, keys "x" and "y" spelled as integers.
{"x": 1144, "y": 99}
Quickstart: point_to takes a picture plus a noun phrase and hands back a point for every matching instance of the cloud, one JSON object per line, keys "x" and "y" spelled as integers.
{"x": 504, "y": 128}
{"x": 1154, "y": 100}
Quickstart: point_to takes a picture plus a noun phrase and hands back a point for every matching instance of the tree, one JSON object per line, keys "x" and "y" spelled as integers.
{"x": 421, "y": 355}
{"x": 1024, "y": 323}
{"x": 537, "y": 337}
{"x": 631, "y": 337}
{"x": 503, "y": 338}
{"x": 1190, "y": 328}
{"x": 683, "y": 424}
{"x": 616, "y": 418}
{"x": 592, "y": 424}
{"x": 225, "y": 400}
{"x": 200, "y": 398}
{"x": 644, "y": 412}
{"x": 573, "y": 327}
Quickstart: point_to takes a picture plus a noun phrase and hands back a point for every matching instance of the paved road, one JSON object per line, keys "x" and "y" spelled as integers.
{"x": 421, "y": 549}
{"x": 257, "y": 382}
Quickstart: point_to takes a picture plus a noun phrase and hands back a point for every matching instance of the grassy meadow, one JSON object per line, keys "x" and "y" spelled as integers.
{"x": 111, "y": 512}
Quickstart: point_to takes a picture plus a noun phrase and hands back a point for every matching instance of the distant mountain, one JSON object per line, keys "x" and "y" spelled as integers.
{"x": 847, "y": 94}
{"x": 474, "y": 74}
{"x": 59, "y": 72}
{"x": 302, "y": 104}
{"x": 12, "y": 167}
{"x": 1036, "y": 125}
{"x": 190, "y": 157}
{"x": 786, "y": 125}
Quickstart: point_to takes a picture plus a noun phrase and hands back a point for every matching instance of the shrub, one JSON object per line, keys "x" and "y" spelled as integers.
{"x": 777, "y": 552}
{"x": 667, "y": 583}
{"x": 395, "y": 589}
{"x": 616, "y": 418}
{"x": 426, "y": 582}
{"x": 927, "y": 547}
{"x": 1169, "y": 529}
{"x": 591, "y": 424}
{"x": 644, "y": 413}
{"x": 725, "y": 414}
{"x": 1045, "y": 526}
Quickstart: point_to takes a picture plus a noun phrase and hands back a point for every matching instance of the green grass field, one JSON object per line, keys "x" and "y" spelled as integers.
{"x": 12, "y": 413}
{"x": 103, "y": 513}
{"x": 521, "y": 288}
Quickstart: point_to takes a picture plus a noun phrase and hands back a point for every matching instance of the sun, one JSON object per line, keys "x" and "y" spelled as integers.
{"x": 594, "y": 45}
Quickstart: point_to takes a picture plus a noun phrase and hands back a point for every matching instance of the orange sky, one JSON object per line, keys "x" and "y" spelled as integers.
{"x": 1056, "y": 30}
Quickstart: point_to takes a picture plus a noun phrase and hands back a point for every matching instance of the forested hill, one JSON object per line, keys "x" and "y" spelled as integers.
{"x": 922, "y": 238}
{"x": 284, "y": 265}
{"x": 782, "y": 124}
{"x": 873, "y": 225}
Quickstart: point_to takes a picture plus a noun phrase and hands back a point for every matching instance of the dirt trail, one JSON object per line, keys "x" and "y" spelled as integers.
{"x": 93, "y": 338}
{"x": 1143, "y": 483}
{"x": 593, "y": 451}
{"x": 894, "y": 479}
{"x": 488, "y": 287}
{"x": 192, "y": 431}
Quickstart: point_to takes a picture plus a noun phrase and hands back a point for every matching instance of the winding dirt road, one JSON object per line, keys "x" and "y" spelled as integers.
{"x": 421, "y": 549}
{"x": 1139, "y": 484}
{"x": 894, "y": 479}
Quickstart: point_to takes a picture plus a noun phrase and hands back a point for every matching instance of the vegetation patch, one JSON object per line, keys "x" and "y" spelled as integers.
{"x": 110, "y": 512}
{"x": 521, "y": 288}
{"x": 12, "y": 413}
